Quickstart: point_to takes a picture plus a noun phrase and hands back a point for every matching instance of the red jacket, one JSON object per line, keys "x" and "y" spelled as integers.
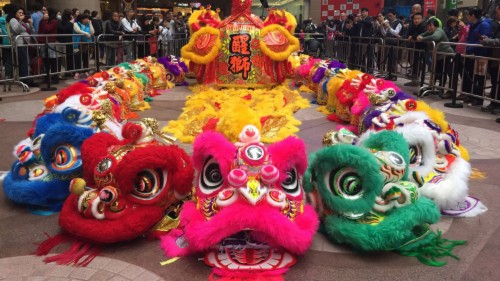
{"x": 47, "y": 27}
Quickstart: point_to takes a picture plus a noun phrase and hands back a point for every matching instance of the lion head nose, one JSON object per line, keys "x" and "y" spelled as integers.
{"x": 237, "y": 177}
{"x": 108, "y": 195}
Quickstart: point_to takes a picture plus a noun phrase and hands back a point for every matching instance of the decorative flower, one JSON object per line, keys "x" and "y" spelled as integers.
{"x": 223, "y": 68}
{"x": 258, "y": 61}
{"x": 255, "y": 44}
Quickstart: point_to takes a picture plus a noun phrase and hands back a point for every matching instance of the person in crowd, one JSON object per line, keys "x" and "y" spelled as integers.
{"x": 64, "y": 28}
{"x": 87, "y": 11}
{"x": 49, "y": 26}
{"x": 115, "y": 27}
{"x": 431, "y": 14}
{"x": 152, "y": 29}
{"x": 437, "y": 35}
{"x": 367, "y": 32}
{"x": 390, "y": 31}
{"x": 453, "y": 13}
{"x": 416, "y": 9}
{"x": 342, "y": 18}
{"x": 378, "y": 25}
{"x": 392, "y": 27}
{"x": 479, "y": 30}
{"x": 143, "y": 22}
{"x": 463, "y": 33}
{"x": 76, "y": 13}
{"x": 451, "y": 29}
{"x": 7, "y": 52}
{"x": 37, "y": 15}
{"x": 493, "y": 66}
{"x": 404, "y": 30}
{"x": 416, "y": 28}
{"x": 83, "y": 30}
{"x": 130, "y": 27}
{"x": 19, "y": 25}
{"x": 180, "y": 26}
{"x": 98, "y": 29}
{"x": 351, "y": 28}
{"x": 310, "y": 27}
{"x": 165, "y": 38}
{"x": 330, "y": 30}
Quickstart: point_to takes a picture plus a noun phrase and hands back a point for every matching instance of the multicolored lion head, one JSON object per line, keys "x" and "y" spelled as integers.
{"x": 128, "y": 186}
{"x": 131, "y": 187}
{"x": 47, "y": 161}
{"x": 365, "y": 200}
{"x": 249, "y": 214}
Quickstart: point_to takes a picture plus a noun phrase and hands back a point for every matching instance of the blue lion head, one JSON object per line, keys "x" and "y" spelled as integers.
{"x": 47, "y": 161}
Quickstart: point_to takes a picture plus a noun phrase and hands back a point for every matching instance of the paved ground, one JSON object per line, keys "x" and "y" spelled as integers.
{"x": 140, "y": 260}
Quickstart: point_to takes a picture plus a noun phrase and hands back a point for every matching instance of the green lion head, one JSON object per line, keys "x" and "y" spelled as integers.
{"x": 364, "y": 200}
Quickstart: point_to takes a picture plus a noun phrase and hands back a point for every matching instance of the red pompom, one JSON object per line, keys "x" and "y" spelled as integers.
{"x": 411, "y": 105}
{"x": 132, "y": 131}
{"x": 86, "y": 99}
{"x": 93, "y": 82}
{"x": 105, "y": 75}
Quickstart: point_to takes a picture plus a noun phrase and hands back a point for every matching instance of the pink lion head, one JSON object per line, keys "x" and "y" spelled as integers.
{"x": 249, "y": 206}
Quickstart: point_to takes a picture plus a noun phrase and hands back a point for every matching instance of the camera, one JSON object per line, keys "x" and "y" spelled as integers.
{"x": 26, "y": 18}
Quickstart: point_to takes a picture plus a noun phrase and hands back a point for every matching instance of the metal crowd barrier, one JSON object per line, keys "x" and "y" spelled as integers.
{"x": 477, "y": 74}
{"x": 306, "y": 38}
{"x": 340, "y": 48}
{"x": 7, "y": 62}
{"x": 34, "y": 60}
{"x": 452, "y": 73}
{"x": 362, "y": 52}
{"x": 126, "y": 48}
{"x": 39, "y": 59}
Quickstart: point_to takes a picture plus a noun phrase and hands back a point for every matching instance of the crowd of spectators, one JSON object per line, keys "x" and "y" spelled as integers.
{"x": 77, "y": 31}
{"x": 470, "y": 26}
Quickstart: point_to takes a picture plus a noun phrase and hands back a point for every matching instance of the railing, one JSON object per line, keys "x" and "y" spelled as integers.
{"x": 473, "y": 70}
{"x": 7, "y": 71}
{"x": 389, "y": 57}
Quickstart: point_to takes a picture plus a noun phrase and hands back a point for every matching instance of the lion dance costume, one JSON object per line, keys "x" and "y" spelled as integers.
{"x": 248, "y": 215}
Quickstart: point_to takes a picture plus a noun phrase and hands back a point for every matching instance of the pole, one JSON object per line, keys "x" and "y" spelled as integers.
{"x": 46, "y": 62}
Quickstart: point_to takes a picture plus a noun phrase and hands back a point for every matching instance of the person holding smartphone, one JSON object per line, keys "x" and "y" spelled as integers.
{"x": 130, "y": 27}
{"x": 19, "y": 26}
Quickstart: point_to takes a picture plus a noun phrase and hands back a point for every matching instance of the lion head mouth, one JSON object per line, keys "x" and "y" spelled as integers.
{"x": 242, "y": 252}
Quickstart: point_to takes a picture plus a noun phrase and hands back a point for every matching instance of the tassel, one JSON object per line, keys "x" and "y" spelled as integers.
{"x": 76, "y": 252}
{"x": 437, "y": 248}
{"x": 73, "y": 255}
{"x": 46, "y": 246}
{"x": 334, "y": 118}
{"x": 258, "y": 276}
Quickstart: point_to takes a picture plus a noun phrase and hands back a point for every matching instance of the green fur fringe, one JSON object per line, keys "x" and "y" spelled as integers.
{"x": 432, "y": 250}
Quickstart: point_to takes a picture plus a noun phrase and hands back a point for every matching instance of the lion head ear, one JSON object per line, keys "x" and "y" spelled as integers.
{"x": 93, "y": 149}
{"x": 288, "y": 153}
{"x": 213, "y": 144}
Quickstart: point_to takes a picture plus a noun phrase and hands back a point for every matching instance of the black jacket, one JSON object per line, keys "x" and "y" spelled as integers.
{"x": 366, "y": 27}
{"x": 413, "y": 32}
{"x": 65, "y": 27}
